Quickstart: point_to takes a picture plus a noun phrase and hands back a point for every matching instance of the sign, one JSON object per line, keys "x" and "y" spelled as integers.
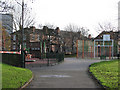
{"x": 106, "y": 37}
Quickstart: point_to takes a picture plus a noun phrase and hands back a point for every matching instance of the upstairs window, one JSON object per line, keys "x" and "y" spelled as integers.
{"x": 14, "y": 37}
{"x": 14, "y": 47}
{"x": 38, "y": 37}
{"x": 24, "y": 38}
{"x": 33, "y": 37}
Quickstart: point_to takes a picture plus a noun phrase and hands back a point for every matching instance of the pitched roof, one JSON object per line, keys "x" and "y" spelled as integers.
{"x": 113, "y": 35}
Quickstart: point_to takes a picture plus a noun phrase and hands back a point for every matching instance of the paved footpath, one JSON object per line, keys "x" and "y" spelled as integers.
{"x": 72, "y": 73}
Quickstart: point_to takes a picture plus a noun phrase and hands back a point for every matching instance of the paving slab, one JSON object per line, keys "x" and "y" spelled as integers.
{"x": 72, "y": 73}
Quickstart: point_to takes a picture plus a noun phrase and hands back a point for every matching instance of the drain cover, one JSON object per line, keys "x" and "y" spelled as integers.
{"x": 57, "y": 76}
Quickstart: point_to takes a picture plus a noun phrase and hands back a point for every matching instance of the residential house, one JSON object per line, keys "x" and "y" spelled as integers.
{"x": 114, "y": 36}
{"x": 37, "y": 41}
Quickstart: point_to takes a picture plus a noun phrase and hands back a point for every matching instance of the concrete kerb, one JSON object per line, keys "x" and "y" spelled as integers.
{"x": 95, "y": 79}
{"x": 27, "y": 83}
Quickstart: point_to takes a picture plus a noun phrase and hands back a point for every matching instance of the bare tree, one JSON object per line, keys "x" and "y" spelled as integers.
{"x": 51, "y": 26}
{"x": 70, "y": 36}
{"x": 75, "y": 32}
{"x": 74, "y": 28}
{"x": 5, "y": 7}
{"x": 84, "y": 31}
{"x": 71, "y": 27}
{"x": 40, "y": 26}
{"x": 105, "y": 27}
{"x": 15, "y": 7}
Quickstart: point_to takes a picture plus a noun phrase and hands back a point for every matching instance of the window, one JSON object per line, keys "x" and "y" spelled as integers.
{"x": 24, "y": 44}
{"x": 14, "y": 37}
{"x": 38, "y": 37}
{"x": 24, "y": 38}
{"x": 35, "y": 48}
{"x": 14, "y": 42}
{"x": 33, "y": 37}
{"x": 32, "y": 48}
{"x": 14, "y": 47}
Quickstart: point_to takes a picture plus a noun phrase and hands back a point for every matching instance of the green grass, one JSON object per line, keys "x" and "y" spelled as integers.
{"x": 107, "y": 73}
{"x": 70, "y": 55}
{"x": 14, "y": 77}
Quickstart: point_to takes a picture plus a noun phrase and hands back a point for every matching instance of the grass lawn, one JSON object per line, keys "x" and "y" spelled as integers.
{"x": 70, "y": 55}
{"x": 106, "y": 72}
{"x": 14, "y": 77}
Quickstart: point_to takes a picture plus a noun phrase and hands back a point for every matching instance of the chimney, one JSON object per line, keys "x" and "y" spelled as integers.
{"x": 45, "y": 28}
{"x": 57, "y": 30}
{"x": 33, "y": 28}
{"x": 89, "y": 36}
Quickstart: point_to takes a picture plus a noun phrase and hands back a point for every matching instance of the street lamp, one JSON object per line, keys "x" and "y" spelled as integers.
{"x": 22, "y": 33}
{"x": 22, "y": 52}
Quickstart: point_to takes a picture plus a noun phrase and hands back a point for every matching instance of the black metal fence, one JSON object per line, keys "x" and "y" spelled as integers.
{"x": 47, "y": 59}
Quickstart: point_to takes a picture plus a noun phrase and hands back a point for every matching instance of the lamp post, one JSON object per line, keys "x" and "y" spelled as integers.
{"x": 22, "y": 48}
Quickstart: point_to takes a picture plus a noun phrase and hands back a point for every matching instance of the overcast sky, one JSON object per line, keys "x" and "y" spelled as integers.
{"x": 84, "y": 13}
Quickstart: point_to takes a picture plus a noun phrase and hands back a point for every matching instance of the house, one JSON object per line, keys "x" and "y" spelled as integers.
{"x": 113, "y": 35}
{"x": 37, "y": 41}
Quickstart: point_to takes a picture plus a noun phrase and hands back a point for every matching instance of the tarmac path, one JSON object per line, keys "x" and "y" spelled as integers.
{"x": 72, "y": 73}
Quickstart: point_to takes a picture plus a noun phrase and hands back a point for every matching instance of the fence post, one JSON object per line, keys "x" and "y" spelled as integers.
{"x": 104, "y": 50}
{"x": 77, "y": 48}
{"x": 100, "y": 51}
{"x": 83, "y": 49}
{"x": 97, "y": 50}
{"x": 110, "y": 52}
{"x": 48, "y": 62}
{"x": 94, "y": 48}
{"x": 91, "y": 51}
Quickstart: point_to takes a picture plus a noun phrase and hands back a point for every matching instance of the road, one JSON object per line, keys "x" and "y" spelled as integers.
{"x": 72, "y": 73}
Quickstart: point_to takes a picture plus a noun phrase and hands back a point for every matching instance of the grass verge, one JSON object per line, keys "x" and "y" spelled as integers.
{"x": 107, "y": 73}
{"x": 14, "y": 77}
{"x": 70, "y": 55}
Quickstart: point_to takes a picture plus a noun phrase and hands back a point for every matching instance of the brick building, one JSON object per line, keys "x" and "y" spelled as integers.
{"x": 115, "y": 37}
{"x": 37, "y": 41}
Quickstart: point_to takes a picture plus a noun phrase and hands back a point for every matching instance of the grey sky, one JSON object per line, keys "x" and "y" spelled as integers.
{"x": 85, "y": 13}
